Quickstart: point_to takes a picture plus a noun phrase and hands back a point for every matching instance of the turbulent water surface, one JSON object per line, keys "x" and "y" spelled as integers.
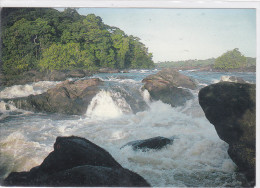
{"x": 121, "y": 112}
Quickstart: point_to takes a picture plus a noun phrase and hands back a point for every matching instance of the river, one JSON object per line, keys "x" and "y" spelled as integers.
{"x": 121, "y": 112}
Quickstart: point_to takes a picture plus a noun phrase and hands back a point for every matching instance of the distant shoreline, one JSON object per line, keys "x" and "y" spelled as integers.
{"x": 212, "y": 69}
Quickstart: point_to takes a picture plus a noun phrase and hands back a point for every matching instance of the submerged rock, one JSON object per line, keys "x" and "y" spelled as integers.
{"x": 68, "y": 97}
{"x": 169, "y": 86}
{"x": 231, "y": 108}
{"x": 76, "y": 161}
{"x": 155, "y": 143}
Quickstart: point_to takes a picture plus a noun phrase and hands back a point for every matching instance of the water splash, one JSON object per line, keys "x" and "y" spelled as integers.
{"x": 107, "y": 104}
{"x": 146, "y": 96}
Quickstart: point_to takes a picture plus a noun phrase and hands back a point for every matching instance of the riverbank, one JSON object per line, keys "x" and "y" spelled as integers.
{"x": 56, "y": 75}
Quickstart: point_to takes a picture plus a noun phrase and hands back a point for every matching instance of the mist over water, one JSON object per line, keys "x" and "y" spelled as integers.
{"x": 122, "y": 112}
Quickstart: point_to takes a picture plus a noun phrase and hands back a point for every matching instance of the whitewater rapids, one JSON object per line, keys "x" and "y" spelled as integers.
{"x": 197, "y": 157}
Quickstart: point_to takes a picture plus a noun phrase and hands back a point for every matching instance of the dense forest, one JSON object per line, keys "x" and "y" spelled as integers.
{"x": 232, "y": 59}
{"x": 47, "y": 39}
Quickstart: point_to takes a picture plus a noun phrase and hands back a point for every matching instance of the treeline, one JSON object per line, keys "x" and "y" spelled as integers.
{"x": 186, "y": 63}
{"x": 230, "y": 60}
{"x": 46, "y": 39}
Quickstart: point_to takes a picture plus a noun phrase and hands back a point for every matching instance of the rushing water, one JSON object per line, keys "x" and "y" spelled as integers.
{"x": 121, "y": 112}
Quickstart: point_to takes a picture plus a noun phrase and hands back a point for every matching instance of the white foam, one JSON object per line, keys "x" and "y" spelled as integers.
{"x": 225, "y": 78}
{"x": 196, "y": 148}
{"x": 7, "y": 106}
{"x": 144, "y": 71}
{"x": 197, "y": 156}
{"x": 146, "y": 96}
{"x": 18, "y": 154}
{"x": 27, "y": 89}
{"x": 214, "y": 81}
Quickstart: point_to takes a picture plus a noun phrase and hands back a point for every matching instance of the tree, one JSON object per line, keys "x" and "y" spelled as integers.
{"x": 121, "y": 44}
{"x": 230, "y": 60}
{"x": 65, "y": 57}
{"x": 139, "y": 56}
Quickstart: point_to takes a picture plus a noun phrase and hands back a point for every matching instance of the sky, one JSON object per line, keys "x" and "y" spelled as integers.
{"x": 182, "y": 34}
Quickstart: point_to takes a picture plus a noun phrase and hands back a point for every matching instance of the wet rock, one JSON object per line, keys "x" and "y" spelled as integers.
{"x": 76, "y": 161}
{"x": 108, "y": 70}
{"x": 232, "y": 79}
{"x": 75, "y": 151}
{"x": 68, "y": 97}
{"x": 231, "y": 108}
{"x": 169, "y": 86}
{"x": 155, "y": 143}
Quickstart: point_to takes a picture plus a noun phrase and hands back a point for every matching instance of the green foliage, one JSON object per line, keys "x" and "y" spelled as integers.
{"x": 65, "y": 57}
{"x": 230, "y": 60}
{"x": 139, "y": 56}
{"x": 23, "y": 44}
{"x": 47, "y": 39}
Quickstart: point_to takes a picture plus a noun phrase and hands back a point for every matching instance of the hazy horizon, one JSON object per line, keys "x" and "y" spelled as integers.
{"x": 183, "y": 34}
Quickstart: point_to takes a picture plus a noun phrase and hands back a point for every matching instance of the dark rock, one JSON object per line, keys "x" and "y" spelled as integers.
{"x": 76, "y": 161}
{"x": 155, "y": 143}
{"x": 75, "y": 151}
{"x": 108, "y": 70}
{"x": 231, "y": 108}
{"x": 68, "y": 97}
{"x": 165, "y": 86}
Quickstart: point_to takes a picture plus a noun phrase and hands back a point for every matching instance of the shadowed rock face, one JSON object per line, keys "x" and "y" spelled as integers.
{"x": 155, "y": 143}
{"x": 76, "y": 161}
{"x": 231, "y": 108}
{"x": 68, "y": 97}
{"x": 165, "y": 86}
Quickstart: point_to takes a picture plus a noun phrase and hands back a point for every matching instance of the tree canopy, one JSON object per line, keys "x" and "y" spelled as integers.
{"x": 231, "y": 60}
{"x": 46, "y": 39}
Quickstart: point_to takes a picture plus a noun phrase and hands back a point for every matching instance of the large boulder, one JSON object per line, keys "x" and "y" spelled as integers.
{"x": 155, "y": 143}
{"x": 170, "y": 87}
{"x": 68, "y": 97}
{"x": 76, "y": 161}
{"x": 231, "y": 108}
